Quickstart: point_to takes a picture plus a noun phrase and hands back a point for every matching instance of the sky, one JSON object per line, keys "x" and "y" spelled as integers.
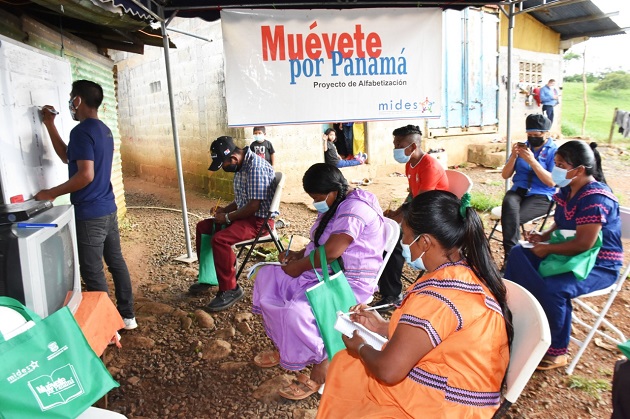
{"x": 607, "y": 52}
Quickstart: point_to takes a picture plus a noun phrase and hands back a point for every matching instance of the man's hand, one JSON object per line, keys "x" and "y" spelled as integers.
{"x": 219, "y": 210}
{"x": 44, "y": 195}
{"x": 219, "y": 217}
{"x": 48, "y": 114}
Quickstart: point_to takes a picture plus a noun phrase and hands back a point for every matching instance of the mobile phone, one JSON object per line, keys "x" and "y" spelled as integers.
{"x": 520, "y": 144}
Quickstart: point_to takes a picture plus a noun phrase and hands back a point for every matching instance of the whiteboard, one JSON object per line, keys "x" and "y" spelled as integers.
{"x": 31, "y": 78}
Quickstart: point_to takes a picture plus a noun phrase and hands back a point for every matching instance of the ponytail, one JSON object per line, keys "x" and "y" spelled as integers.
{"x": 598, "y": 173}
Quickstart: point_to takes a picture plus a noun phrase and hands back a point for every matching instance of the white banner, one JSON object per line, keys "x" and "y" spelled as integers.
{"x": 318, "y": 66}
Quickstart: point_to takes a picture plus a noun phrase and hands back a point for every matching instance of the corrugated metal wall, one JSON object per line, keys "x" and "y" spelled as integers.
{"x": 86, "y": 63}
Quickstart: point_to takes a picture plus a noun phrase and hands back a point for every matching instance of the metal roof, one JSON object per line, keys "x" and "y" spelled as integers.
{"x": 124, "y": 24}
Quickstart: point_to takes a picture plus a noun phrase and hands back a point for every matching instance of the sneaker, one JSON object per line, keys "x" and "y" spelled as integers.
{"x": 130, "y": 324}
{"x": 388, "y": 299}
{"x": 199, "y": 288}
{"x": 225, "y": 299}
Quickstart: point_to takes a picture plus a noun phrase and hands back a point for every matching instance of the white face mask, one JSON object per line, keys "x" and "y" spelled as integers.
{"x": 259, "y": 137}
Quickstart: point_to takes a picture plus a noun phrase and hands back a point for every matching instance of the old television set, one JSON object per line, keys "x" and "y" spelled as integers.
{"x": 39, "y": 266}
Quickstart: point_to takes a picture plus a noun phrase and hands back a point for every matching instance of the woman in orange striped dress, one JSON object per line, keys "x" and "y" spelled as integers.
{"x": 448, "y": 347}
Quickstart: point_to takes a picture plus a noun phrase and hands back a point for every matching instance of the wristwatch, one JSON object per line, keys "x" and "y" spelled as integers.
{"x": 227, "y": 218}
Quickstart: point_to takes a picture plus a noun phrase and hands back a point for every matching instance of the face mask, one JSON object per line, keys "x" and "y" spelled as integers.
{"x": 230, "y": 168}
{"x": 399, "y": 155}
{"x": 406, "y": 252}
{"x": 535, "y": 141}
{"x": 73, "y": 109}
{"x": 322, "y": 206}
{"x": 259, "y": 137}
{"x": 559, "y": 176}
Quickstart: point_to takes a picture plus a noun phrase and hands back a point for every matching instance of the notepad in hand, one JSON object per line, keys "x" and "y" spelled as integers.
{"x": 347, "y": 327}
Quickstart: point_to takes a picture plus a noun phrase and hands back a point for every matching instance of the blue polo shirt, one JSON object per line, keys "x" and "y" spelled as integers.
{"x": 522, "y": 170}
{"x": 92, "y": 140}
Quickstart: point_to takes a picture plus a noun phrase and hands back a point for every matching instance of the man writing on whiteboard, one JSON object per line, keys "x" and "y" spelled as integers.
{"x": 89, "y": 155}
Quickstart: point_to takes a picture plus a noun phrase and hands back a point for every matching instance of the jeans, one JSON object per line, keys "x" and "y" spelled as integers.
{"x": 99, "y": 238}
{"x": 347, "y": 133}
{"x": 548, "y": 110}
{"x": 517, "y": 210}
{"x": 347, "y": 163}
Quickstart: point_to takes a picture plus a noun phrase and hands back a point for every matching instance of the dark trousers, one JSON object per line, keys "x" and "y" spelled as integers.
{"x": 349, "y": 137}
{"x": 620, "y": 385}
{"x": 548, "y": 110}
{"x": 390, "y": 282}
{"x": 98, "y": 239}
{"x": 517, "y": 210}
{"x": 222, "y": 241}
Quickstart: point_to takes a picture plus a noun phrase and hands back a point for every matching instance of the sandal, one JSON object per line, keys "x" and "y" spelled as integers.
{"x": 548, "y": 364}
{"x": 300, "y": 389}
{"x": 267, "y": 359}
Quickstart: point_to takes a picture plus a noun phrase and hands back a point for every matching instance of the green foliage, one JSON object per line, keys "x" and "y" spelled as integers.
{"x": 571, "y": 56}
{"x": 592, "y": 386}
{"x": 614, "y": 81}
{"x": 601, "y": 107}
{"x": 577, "y": 78}
{"x": 482, "y": 202}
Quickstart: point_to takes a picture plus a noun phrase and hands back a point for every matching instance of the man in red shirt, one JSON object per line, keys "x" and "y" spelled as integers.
{"x": 424, "y": 173}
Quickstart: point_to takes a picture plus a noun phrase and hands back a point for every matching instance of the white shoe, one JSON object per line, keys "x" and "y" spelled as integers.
{"x": 130, "y": 324}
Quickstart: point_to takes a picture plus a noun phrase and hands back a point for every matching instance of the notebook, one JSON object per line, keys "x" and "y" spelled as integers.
{"x": 347, "y": 327}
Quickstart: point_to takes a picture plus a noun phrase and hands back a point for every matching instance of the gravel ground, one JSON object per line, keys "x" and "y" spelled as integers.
{"x": 183, "y": 363}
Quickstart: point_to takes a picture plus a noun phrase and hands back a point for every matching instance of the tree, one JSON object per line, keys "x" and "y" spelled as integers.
{"x": 615, "y": 80}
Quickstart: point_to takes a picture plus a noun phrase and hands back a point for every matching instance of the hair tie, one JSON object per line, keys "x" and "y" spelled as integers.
{"x": 465, "y": 203}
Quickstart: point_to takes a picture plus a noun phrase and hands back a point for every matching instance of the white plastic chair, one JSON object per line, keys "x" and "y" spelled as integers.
{"x": 599, "y": 317}
{"x": 530, "y": 343}
{"x": 458, "y": 183}
{"x": 97, "y": 413}
{"x": 271, "y": 235}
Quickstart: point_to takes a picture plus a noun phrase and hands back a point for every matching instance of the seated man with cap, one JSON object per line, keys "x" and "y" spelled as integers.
{"x": 254, "y": 186}
{"x": 531, "y": 164}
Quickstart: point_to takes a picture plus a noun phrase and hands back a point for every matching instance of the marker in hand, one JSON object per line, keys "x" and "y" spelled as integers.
{"x": 51, "y": 110}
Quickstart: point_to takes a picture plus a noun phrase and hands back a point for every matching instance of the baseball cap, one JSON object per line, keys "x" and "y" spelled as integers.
{"x": 219, "y": 150}
{"x": 537, "y": 122}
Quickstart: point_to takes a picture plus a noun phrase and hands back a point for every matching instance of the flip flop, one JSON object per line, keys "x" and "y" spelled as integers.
{"x": 300, "y": 389}
{"x": 267, "y": 359}
{"x": 547, "y": 364}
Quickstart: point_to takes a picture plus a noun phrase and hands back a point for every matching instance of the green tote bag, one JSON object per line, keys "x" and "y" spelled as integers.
{"x": 580, "y": 264}
{"x": 331, "y": 294}
{"x": 207, "y": 272}
{"x": 49, "y": 371}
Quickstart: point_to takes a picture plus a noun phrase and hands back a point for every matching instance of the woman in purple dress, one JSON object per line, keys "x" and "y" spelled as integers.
{"x": 350, "y": 226}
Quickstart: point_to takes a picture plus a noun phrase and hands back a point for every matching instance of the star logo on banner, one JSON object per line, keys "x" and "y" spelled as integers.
{"x": 426, "y": 105}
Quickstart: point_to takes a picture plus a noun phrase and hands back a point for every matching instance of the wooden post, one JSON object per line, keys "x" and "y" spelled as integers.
{"x": 612, "y": 127}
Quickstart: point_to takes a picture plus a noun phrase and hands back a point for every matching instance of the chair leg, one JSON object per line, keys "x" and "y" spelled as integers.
{"x": 251, "y": 249}
{"x": 502, "y": 410}
{"x": 494, "y": 228}
{"x": 593, "y": 329}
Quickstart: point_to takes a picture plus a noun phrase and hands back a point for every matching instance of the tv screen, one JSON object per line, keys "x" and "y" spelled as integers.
{"x": 39, "y": 266}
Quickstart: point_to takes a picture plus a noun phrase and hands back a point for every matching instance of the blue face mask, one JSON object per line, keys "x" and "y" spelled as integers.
{"x": 322, "y": 206}
{"x": 400, "y": 156}
{"x": 406, "y": 252}
{"x": 559, "y": 176}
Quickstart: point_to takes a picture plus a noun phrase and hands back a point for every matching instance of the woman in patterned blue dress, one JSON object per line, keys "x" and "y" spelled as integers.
{"x": 587, "y": 205}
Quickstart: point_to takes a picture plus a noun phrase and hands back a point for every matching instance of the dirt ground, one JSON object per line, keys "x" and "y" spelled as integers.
{"x": 181, "y": 363}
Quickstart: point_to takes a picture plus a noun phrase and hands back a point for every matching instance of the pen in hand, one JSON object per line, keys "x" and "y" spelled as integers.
{"x": 286, "y": 255}
{"x": 51, "y": 110}
{"x": 369, "y": 309}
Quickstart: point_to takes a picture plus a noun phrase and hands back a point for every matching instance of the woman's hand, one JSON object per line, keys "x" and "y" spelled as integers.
{"x": 293, "y": 269}
{"x": 284, "y": 258}
{"x": 372, "y": 320}
{"x": 541, "y": 250}
{"x": 534, "y": 236}
{"x": 353, "y": 343}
